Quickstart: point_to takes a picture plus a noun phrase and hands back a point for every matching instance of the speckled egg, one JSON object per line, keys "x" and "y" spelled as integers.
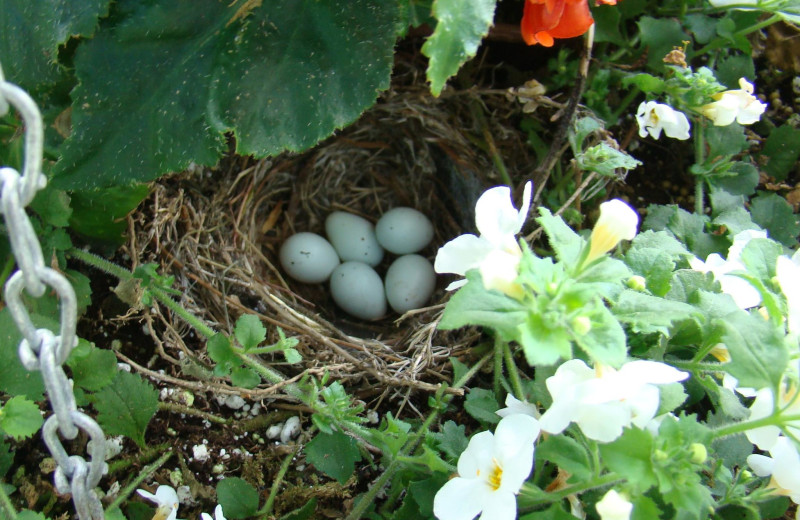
{"x": 354, "y": 238}
{"x": 410, "y": 281}
{"x": 403, "y": 231}
{"x": 308, "y": 258}
{"x": 358, "y": 290}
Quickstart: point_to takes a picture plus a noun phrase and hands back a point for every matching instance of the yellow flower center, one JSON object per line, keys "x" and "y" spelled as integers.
{"x": 496, "y": 477}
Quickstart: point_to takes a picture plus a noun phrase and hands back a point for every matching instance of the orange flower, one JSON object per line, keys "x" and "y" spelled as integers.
{"x": 544, "y": 20}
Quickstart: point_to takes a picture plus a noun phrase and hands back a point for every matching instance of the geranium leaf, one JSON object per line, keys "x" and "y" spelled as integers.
{"x": 159, "y": 89}
{"x": 33, "y": 31}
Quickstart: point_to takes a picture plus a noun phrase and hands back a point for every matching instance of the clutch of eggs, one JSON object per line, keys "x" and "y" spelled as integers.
{"x": 355, "y": 285}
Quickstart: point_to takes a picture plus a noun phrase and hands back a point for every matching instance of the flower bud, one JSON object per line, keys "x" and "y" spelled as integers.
{"x": 699, "y": 452}
{"x": 637, "y": 283}
{"x": 581, "y": 325}
{"x": 618, "y": 221}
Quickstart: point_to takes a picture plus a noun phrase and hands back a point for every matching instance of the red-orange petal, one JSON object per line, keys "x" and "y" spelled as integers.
{"x": 539, "y": 16}
{"x": 575, "y": 20}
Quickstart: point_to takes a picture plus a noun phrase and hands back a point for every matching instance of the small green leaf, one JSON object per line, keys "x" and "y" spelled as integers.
{"x": 126, "y": 406}
{"x": 781, "y": 151}
{"x": 27, "y": 514}
{"x": 423, "y": 492}
{"x": 244, "y": 377}
{"x": 474, "y": 305}
{"x": 647, "y": 83}
{"x": 773, "y": 213}
{"x": 660, "y": 35}
{"x": 727, "y": 140}
{"x": 648, "y": 314}
{"x": 220, "y": 350}
{"x": 606, "y": 160}
{"x": 735, "y": 66}
{"x": 452, "y": 440}
{"x": 758, "y": 352}
{"x": 482, "y": 405}
{"x": 100, "y": 214}
{"x": 629, "y": 456}
{"x": 20, "y": 418}
{"x": 605, "y": 342}
{"x": 334, "y": 454}
{"x": 93, "y": 370}
{"x": 302, "y": 513}
{"x": 292, "y": 356}
{"x": 14, "y": 378}
{"x": 249, "y": 331}
{"x": 565, "y": 242}
{"x": 53, "y": 207}
{"x": 237, "y": 497}
{"x": 460, "y": 28}
{"x": 566, "y": 453}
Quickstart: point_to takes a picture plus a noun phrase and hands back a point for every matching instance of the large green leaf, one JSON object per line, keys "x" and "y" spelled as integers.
{"x": 459, "y": 30}
{"x": 159, "y": 89}
{"x": 34, "y": 29}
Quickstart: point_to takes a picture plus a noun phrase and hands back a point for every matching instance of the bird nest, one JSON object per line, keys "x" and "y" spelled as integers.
{"x": 218, "y": 232}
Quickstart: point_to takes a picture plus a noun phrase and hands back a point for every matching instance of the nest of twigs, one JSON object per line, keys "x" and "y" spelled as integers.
{"x": 218, "y": 232}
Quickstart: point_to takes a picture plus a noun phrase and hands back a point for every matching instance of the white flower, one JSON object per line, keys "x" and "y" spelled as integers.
{"x": 739, "y": 105}
{"x": 764, "y": 406}
{"x": 514, "y": 405}
{"x": 166, "y": 499}
{"x": 654, "y": 117}
{"x": 491, "y": 472}
{"x": 783, "y": 465}
{"x": 618, "y": 221}
{"x": 787, "y": 271}
{"x": 614, "y": 506}
{"x": 742, "y": 292}
{"x": 495, "y": 252}
{"x": 602, "y": 401}
{"x": 217, "y": 514}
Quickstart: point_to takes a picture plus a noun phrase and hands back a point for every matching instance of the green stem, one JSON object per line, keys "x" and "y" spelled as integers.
{"x": 533, "y": 496}
{"x": 179, "y": 408}
{"x": 498, "y": 365}
{"x": 100, "y": 263}
{"x": 273, "y": 491}
{"x": 5, "y": 503}
{"x": 140, "y": 477}
{"x": 187, "y": 316}
{"x": 622, "y": 107}
{"x": 513, "y": 372}
{"x": 696, "y": 366}
{"x": 699, "y": 157}
{"x": 719, "y": 43}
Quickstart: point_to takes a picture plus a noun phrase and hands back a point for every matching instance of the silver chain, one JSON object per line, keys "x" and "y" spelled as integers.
{"x": 40, "y": 349}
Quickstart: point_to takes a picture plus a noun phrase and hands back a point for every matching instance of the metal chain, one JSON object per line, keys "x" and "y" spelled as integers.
{"x": 40, "y": 349}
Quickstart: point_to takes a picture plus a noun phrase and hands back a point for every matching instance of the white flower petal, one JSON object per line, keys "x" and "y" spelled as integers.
{"x": 515, "y": 406}
{"x": 461, "y": 254}
{"x": 461, "y": 499}
{"x": 496, "y": 217}
{"x": 651, "y": 372}
{"x": 761, "y": 464}
{"x": 603, "y": 422}
{"x": 500, "y": 505}
{"x": 614, "y": 506}
{"x": 476, "y": 460}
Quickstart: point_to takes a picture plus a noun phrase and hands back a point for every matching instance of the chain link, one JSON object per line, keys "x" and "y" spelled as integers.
{"x": 40, "y": 349}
